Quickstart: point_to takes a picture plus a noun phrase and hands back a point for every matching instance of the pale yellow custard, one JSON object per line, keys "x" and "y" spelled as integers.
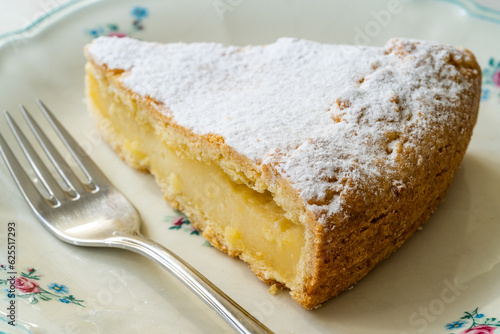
{"x": 253, "y": 225}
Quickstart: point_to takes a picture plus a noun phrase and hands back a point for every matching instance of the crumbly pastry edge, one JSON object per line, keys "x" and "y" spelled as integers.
{"x": 331, "y": 269}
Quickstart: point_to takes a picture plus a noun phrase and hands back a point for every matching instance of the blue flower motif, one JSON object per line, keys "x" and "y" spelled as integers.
{"x": 455, "y": 324}
{"x": 96, "y": 32}
{"x": 140, "y": 12}
{"x": 58, "y": 288}
{"x": 485, "y": 94}
{"x": 64, "y": 300}
{"x": 479, "y": 316}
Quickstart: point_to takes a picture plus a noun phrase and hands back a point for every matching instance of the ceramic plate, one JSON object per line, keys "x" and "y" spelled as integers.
{"x": 445, "y": 279}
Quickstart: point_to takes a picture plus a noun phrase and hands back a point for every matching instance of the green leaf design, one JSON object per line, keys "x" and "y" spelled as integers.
{"x": 31, "y": 275}
{"x": 113, "y": 26}
{"x": 73, "y": 300}
{"x": 45, "y": 298}
{"x": 207, "y": 244}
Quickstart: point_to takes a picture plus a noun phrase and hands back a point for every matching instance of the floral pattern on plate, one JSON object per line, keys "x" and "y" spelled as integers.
{"x": 491, "y": 80}
{"x": 479, "y": 324}
{"x": 181, "y": 222}
{"x": 28, "y": 286}
{"x": 113, "y": 29}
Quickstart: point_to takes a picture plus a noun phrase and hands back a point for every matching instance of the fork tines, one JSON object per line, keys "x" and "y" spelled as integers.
{"x": 73, "y": 187}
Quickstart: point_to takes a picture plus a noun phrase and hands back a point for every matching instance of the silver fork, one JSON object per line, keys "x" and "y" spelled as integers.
{"x": 96, "y": 214}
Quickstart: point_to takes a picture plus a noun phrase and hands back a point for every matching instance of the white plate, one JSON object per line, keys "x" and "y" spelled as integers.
{"x": 449, "y": 268}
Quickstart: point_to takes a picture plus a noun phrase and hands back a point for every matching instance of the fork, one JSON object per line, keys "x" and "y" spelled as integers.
{"x": 96, "y": 214}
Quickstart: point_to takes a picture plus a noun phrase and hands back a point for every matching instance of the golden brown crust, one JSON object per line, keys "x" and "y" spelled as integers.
{"x": 368, "y": 227}
{"x": 362, "y": 235}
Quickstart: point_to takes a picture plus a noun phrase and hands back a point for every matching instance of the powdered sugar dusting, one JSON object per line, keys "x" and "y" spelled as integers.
{"x": 257, "y": 98}
{"x": 322, "y": 114}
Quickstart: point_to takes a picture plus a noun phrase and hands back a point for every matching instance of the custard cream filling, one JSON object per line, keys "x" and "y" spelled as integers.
{"x": 248, "y": 224}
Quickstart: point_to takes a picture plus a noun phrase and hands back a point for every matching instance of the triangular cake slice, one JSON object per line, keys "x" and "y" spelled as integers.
{"x": 311, "y": 162}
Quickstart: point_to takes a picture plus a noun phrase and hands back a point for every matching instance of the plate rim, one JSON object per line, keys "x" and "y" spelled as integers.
{"x": 472, "y": 7}
{"x": 44, "y": 21}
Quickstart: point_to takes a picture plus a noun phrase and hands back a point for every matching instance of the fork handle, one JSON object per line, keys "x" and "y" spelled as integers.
{"x": 242, "y": 321}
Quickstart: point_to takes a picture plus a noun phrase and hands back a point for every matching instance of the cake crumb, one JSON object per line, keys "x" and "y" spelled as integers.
{"x": 273, "y": 289}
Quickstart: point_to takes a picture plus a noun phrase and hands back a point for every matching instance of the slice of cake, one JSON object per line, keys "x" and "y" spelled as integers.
{"x": 311, "y": 162}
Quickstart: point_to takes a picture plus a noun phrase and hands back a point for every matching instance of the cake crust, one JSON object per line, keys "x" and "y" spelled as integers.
{"x": 361, "y": 185}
